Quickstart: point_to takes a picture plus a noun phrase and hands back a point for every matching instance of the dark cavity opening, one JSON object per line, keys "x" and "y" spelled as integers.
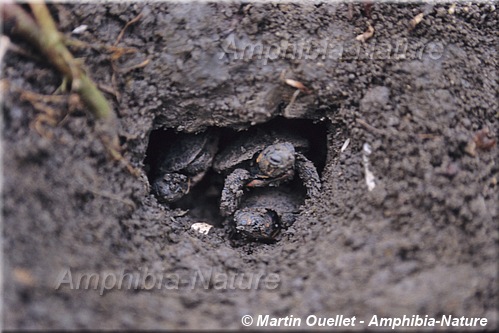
{"x": 203, "y": 199}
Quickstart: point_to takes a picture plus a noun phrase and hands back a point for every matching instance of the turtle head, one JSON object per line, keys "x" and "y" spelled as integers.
{"x": 276, "y": 160}
{"x": 257, "y": 223}
{"x": 170, "y": 187}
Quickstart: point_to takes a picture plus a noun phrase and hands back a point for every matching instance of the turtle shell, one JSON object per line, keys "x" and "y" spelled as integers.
{"x": 245, "y": 146}
{"x": 280, "y": 199}
{"x": 186, "y": 150}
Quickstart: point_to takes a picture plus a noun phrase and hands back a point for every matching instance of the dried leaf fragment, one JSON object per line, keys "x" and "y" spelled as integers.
{"x": 482, "y": 139}
{"x": 23, "y": 276}
{"x": 345, "y": 145}
{"x": 297, "y": 85}
{"x": 366, "y": 35}
{"x": 370, "y": 178}
{"x": 452, "y": 9}
{"x": 415, "y": 21}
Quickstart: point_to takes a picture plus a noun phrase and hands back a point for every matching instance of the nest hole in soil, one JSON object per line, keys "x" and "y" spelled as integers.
{"x": 203, "y": 199}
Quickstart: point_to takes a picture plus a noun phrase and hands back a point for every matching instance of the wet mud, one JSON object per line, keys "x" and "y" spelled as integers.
{"x": 421, "y": 241}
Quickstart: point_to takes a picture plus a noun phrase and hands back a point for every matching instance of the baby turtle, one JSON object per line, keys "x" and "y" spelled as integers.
{"x": 261, "y": 224}
{"x": 265, "y": 211}
{"x": 261, "y": 159}
{"x": 183, "y": 163}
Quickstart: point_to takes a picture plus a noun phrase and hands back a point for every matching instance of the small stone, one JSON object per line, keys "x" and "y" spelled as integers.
{"x": 470, "y": 148}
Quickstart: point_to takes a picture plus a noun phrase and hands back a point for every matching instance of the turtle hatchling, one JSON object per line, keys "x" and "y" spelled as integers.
{"x": 183, "y": 163}
{"x": 265, "y": 211}
{"x": 261, "y": 159}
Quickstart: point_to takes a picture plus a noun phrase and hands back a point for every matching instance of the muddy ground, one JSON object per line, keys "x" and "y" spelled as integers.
{"x": 422, "y": 242}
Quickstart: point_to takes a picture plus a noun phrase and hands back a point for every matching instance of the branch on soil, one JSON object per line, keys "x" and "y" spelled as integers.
{"x": 41, "y": 31}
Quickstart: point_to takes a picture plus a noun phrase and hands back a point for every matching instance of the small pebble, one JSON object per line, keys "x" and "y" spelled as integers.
{"x": 202, "y": 227}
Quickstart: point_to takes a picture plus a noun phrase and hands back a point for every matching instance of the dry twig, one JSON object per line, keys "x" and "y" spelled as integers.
{"x": 122, "y": 32}
{"x": 41, "y": 31}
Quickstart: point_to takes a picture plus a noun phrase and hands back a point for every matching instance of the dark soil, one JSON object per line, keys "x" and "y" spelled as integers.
{"x": 422, "y": 242}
